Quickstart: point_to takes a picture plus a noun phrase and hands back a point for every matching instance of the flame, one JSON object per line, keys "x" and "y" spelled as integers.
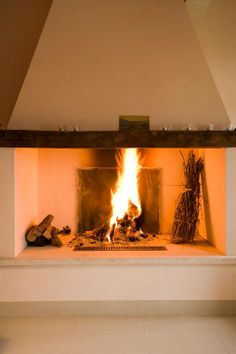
{"x": 125, "y": 199}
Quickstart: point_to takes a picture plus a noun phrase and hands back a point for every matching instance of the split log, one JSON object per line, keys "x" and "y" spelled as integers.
{"x": 48, "y": 232}
{"x": 36, "y": 231}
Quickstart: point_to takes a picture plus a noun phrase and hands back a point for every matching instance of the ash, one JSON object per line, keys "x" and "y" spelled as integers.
{"x": 125, "y": 232}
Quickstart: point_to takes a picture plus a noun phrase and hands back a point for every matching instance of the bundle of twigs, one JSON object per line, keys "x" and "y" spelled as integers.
{"x": 186, "y": 217}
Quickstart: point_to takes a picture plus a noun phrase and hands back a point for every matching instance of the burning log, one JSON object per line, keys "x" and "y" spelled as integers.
{"x": 133, "y": 211}
{"x": 102, "y": 232}
{"x": 124, "y": 222}
{"x": 186, "y": 217}
{"x": 112, "y": 232}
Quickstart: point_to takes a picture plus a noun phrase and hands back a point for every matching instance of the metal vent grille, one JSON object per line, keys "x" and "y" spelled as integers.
{"x": 120, "y": 248}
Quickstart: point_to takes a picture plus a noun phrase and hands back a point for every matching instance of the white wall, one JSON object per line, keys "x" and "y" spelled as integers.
{"x": 214, "y": 22}
{"x": 214, "y": 197}
{"x": 98, "y": 60}
{"x": 7, "y": 202}
{"x": 26, "y": 194}
{"x": 231, "y": 201}
{"x": 19, "y": 194}
{"x": 118, "y": 282}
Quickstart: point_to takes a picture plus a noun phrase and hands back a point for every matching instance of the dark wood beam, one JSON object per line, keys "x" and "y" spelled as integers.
{"x": 117, "y": 139}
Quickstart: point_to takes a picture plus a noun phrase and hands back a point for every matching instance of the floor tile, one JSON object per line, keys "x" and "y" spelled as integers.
{"x": 36, "y": 335}
{"x": 109, "y": 324}
{"x": 182, "y": 336}
{"x": 225, "y": 328}
{"x": 121, "y": 335}
{"x": 107, "y": 343}
{"x": 108, "y": 335}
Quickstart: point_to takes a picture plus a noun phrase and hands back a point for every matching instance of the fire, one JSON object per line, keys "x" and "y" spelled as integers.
{"x": 125, "y": 199}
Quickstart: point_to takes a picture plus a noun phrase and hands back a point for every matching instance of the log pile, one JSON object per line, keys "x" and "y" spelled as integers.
{"x": 45, "y": 233}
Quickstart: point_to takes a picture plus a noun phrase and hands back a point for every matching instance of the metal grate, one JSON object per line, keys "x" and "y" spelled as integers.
{"x": 120, "y": 248}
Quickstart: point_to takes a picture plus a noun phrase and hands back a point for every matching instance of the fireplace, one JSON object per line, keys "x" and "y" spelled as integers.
{"x": 92, "y": 63}
{"x": 76, "y": 186}
{"x": 39, "y": 179}
{"x": 94, "y": 84}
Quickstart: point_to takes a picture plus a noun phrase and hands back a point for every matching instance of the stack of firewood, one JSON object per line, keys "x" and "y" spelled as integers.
{"x": 45, "y": 234}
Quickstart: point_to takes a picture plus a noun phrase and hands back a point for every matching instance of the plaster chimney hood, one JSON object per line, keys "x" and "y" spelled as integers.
{"x": 96, "y": 60}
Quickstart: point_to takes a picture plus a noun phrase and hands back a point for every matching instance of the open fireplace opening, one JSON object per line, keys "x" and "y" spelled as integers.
{"x": 118, "y": 200}
{"x": 119, "y": 206}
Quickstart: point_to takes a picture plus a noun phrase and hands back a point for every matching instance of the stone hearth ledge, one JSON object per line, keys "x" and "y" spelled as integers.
{"x": 101, "y": 260}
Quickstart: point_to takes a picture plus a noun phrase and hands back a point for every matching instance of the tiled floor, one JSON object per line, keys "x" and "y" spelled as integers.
{"x": 111, "y": 335}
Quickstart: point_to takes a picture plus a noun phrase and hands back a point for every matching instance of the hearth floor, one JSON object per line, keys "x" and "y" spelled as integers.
{"x": 200, "y": 248}
{"x": 126, "y": 335}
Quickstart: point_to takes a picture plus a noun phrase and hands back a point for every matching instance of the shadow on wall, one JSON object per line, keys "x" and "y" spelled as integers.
{"x": 206, "y": 207}
{"x": 214, "y": 197}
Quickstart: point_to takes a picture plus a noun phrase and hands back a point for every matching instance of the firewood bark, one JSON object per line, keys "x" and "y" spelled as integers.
{"x": 37, "y": 231}
{"x": 48, "y": 232}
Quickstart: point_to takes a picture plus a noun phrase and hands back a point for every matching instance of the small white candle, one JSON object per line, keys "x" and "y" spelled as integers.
{"x": 230, "y": 127}
{"x": 164, "y": 126}
{"x": 189, "y": 127}
{"x": 61, "y": 128}
{"x": 210, "y": 126}
{"x": 76, "y": 127}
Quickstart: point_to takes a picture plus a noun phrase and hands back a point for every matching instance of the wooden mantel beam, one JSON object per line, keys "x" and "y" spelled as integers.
{"x": 117, "y": 139}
